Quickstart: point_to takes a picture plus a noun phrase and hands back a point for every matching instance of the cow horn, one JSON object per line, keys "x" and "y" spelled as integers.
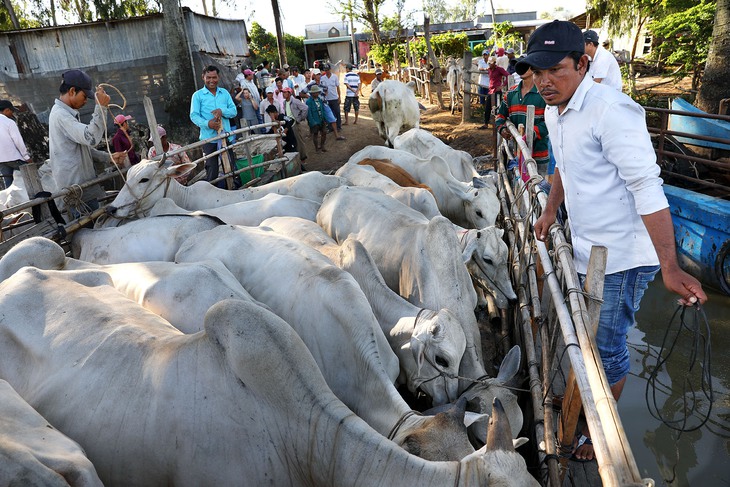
{"x": 499, "y": 433}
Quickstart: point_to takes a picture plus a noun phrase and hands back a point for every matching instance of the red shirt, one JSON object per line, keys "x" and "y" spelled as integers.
{"x": 497, "y": 76}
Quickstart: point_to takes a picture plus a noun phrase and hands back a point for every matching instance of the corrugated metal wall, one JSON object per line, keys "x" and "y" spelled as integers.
{"x": 129, "y": 54}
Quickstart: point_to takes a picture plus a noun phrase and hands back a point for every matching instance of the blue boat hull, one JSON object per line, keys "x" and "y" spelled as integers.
{"x": 700, "y": 126}
{"x": 702, "y": 233}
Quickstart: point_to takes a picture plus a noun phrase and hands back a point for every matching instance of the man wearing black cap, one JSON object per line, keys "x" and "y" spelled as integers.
{"x": 608, "y": 178}
{"x": 604, "y": 67}
{"x": 71, "y": 143}
{"x": 13, "y": 152}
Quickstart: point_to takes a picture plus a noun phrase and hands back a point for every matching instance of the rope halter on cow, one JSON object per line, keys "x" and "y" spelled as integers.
{"x": 137, "y": 203}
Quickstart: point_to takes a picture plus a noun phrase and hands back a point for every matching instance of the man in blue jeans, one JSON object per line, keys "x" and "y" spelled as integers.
{"x": 608, "y": 178}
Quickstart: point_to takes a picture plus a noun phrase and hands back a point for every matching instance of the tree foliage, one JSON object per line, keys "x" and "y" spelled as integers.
{"x": 30, "y": 14}
{"x": 505, "y": 35}
{"x": 263, "y": 46}
{"x": 685, "y": 39}
{"x": 362, "y": 11}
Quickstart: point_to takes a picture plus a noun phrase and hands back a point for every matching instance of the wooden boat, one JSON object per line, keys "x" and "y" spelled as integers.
{"x": 696, "y": 125}
{"x": 702, "y": 233}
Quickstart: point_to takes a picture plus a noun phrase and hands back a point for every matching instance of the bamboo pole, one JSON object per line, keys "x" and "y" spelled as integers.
{"x": 617, "y": 465}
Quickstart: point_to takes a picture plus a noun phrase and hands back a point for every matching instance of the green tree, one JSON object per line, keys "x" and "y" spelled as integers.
{"x": 504, "y": 34}
{"x": 29, "y": 14}
{"x": 362, "y": 11}
{"x": 685, "y": 39}
{"x": 717, "y": 69}
{"x": 262, "y": 44}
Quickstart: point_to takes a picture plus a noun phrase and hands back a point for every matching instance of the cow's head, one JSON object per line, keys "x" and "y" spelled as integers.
{"x": 481, "y": 204}
{"x": 487, "y": 258}
{"x": 438, "y": 345}
{"x": 147, "y": 182}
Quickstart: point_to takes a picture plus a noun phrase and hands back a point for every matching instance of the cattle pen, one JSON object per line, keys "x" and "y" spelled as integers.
{"x": 556, "y": 319}
{"x": 553, "y": 320}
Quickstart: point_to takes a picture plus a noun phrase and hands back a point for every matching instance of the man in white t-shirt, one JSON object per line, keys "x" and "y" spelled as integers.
{"x": 604, "y": 67}
{"x": 330, "y": 83}
{"x": 298, "y": 80}
{"x": 352, "y": 92}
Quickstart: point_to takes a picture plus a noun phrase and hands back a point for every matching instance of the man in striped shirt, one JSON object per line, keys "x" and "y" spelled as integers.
{"x": 352, "y": 93}
{"x": 514, "y": 107}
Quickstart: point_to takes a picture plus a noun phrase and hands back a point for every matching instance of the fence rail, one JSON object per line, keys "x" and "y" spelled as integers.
{"x": 561, "y": 323}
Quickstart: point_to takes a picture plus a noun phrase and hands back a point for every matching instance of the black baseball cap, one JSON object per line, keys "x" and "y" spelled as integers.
{"x": 5, "y": 104}
{"x": 591, "y": 36}
{"x": 79, "y": 80}
{"x": 549, "y": 44}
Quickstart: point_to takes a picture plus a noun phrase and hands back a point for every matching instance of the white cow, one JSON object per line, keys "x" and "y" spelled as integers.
{"x": 326, "y": 307}
{"x": 15, "y": 194}
{"x": 179, "y": 293}
{"x": 394, "y": 107}
{"x": 32, "y": 452}
{"x": 423, "y": 263}
{"x": 247, "y": 213}
{"x": 472, "y": 205}
{"x": 148, "y": 182}
{"x": 426, "y": 342}
{"x": 242, "y": 403}
{"x": 419, "y": 199}
{"x": 453, "y": 79}
{"x": 425, "y": 145}
{"x": 155, "y": 238}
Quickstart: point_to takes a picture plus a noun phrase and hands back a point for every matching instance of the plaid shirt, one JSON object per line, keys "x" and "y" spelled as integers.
{"x": 514, "y": 106}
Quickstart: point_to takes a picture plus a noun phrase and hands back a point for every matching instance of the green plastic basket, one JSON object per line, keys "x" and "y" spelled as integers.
{"x": 246, "y": 175}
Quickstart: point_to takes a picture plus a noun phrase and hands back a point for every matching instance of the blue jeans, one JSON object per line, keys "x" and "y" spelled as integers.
{"x": 622, "y": 293}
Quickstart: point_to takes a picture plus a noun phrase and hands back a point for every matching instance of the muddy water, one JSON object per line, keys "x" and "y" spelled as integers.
{"x": 697, "y": 458}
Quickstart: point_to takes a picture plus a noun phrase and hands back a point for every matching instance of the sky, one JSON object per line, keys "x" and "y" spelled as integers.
{"x": 298, "y": 13}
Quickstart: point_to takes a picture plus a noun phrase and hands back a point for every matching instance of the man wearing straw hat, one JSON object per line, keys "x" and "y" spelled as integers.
{"x": 71, "y": 143}
{"x": 608, "y": 178}
{"x": 211, "y": 109}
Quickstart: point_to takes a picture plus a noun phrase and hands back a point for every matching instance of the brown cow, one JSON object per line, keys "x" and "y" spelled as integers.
{"x": 399, "y": 175}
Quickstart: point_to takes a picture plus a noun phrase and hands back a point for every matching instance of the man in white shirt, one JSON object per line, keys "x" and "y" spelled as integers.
{"x": 298, "y": 80}
{"x": 13, "y": 152}
{"x": 604, "y": 67}
{"x": 483, "y": 67}
{"x": 352, "y": 92}
{"x": 248, "y": 82}
{"x": 608, "y": 178}
{"x": 331, "y": 84}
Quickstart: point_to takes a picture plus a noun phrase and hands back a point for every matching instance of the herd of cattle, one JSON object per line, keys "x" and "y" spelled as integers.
{"x": 258, "y": 337}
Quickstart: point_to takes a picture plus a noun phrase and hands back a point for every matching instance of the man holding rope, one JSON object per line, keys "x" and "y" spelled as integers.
{"x": 71, "y": 143}
{"x": 608, "y": 177}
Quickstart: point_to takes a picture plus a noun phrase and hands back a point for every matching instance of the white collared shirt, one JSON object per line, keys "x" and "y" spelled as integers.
{"x": 609, "y": 174}
{"x": 605, "y": 67}
{"x": 12, "y": 147}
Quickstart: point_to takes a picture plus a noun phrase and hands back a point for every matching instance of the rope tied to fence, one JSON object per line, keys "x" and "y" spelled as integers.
{"x": 74, "y": 199}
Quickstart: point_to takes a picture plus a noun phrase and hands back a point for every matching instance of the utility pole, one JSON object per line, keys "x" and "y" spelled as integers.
{"x": 279, "y": 33}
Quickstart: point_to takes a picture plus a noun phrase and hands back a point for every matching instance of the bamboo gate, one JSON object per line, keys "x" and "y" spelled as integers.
{"x": 557, "y": 318}
{"x": 45, "y": 224}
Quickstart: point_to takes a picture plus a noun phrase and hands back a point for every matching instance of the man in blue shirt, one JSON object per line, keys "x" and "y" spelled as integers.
{"x": 210, "y": 109}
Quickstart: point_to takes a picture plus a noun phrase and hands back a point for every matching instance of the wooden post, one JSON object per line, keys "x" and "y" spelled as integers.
{"x": 436, "y": 67}
{"x": 571, "y": 399}
{"x": 466, "y": 90}
{"x": 152, "y": 122}
{"x": 33, "y": 186}
{"x": 225, "y": 160}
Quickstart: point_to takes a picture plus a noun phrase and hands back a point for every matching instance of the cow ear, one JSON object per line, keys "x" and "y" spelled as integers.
{"x": 469, "y": 250}
{"x": 478, "y": 183}
{"x": 510, "y": 365}
{"x": 418, "y": 347}
{"x": 179, "y": 170}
